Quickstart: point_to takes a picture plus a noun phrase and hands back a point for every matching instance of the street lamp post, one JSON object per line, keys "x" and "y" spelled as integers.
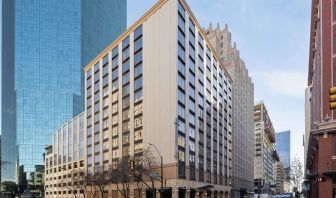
{"x": 157, "y": 150}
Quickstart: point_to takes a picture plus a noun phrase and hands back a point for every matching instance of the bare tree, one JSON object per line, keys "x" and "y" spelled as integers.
{"x": 121, "y": 176}
{"x": 70, "y": 183}
{"x": 101, "y": 179}
{"x": 82, "y": 182}
{"x": 90, "y": 185}
{"x": 143, "y": 169}
{"x": 296, "y": 172}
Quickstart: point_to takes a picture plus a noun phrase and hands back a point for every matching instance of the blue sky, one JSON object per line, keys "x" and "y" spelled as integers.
{"x": 273, "y": 39}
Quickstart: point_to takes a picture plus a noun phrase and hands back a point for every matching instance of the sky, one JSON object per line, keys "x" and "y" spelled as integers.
{"x": 273, "y": 40}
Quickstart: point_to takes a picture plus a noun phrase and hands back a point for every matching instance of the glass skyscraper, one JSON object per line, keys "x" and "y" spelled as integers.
{"x": 46, "y": 45}
{"x": 283, "y": 147}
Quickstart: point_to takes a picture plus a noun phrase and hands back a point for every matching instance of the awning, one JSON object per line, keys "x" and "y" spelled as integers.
{"x": 330, "y": 173}
{"x": 206, "y": 187}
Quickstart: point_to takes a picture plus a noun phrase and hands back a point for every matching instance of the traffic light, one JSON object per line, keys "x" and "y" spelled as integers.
{"x": 165, "y": 182}
{"x": 132, "y": 164}
{"x": 332, "y": 97}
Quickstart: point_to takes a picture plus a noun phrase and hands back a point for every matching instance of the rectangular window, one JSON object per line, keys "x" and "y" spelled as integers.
{"x": 115, "y": 85}
{"x": 334, "y": 44}
{"x": 125, "y": 55}
{"x": 181, "y": 67}
{"x": 114, "y": 97}
{"x": 192, "y": 119}
{"x": 105, "y": 81}
{"x": 126, "y": 103}
{"x": 126, "y": 126}
{"x": 181, "y": 96}
{"x": 192, "y": 39}
{"x": 114, "y": 75}
{"x": 181, "y": 23}
{"x": 88, "y": 74}
{"x": 192, "y": 27}
{"x": 181, "y": 126}
{"x": 181, "y": 10}
{"x": 106, "y": 134}
{"x": 137, "y": 109}
{"x": 180, "y": 111}
{"x": 138, "y": 96}
{"x": 138, "y": 58}
{"x": 114, "y": 131}
{"x": 125, "y": 139}
{"x": 89, "y": 132}
{"x": 138, "y": 148}
{"x": 125, "y": 42}
{"x": 126, "y": 90}
{"x": 96, "y": 67}
{"x": 105, "y": 60}
{"x": 334, "y": 11}
{"x": 97, "y": 147}
{"x": 115, "y": 62}
{"x": 89, "y": 160}
{"x": 191, "y": 146}
{"x": 115, "y": 154}
{"x": 126, "y": 78}
{"x": 181, "y": 141}
{"x": 181, "y": 53}
{"x": 138, "y": 32}
{"x": 192, "y": 52}
{"x": 138, "y": 135}
{"x": 89, "y": 150}
{"x": 115, "y": 52}
{"x": 181, "y": 82}
{"x": 138, "y": 83}
{"x": 97, "y": 158}
{"x": 126, "y": 114}
{"x": 181, "y": 38}
{"x": 191, "y": 132}
{"x": 138, "y": 70}
{"x": 138, "y": 45}
{"x": 334, "y": 141}
{"x": 192, "y": 79}
{"x": 181, "y": 156}
{"x": 115, "y": 142}
{"x": 200, "y": 42}
{"x": 192, "y": 107}
{"x": 138, "y": 122}
{"x": 125, "y": 66}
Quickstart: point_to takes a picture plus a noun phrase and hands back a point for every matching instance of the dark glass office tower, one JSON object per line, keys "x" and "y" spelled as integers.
{"x": 45, "y": 46}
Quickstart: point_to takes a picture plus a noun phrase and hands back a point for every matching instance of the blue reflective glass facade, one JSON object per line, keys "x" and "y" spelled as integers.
{"x": 283, "y": 147}
{"x": 47, "y": 45}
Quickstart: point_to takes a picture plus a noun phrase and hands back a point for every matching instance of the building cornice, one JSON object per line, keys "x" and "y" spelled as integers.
{"x": 313, "y": 29}
{"x": 140, "y": 21}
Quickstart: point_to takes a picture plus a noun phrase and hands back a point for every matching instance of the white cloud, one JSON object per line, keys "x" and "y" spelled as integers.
{"x": 288, "y": 83}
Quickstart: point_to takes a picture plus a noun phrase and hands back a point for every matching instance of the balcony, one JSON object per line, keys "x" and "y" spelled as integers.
{"x": 270, "y": 132}
{"x": 276, "y": 156}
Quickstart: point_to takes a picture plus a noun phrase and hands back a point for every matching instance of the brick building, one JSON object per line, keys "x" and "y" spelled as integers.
{"x": 320, "y": 152}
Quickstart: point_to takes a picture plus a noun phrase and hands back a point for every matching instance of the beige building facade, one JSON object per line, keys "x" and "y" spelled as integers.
{"x": 243, "y": 103}
{"x": 266, "y": 155}
{"x": 280, "y": 173}
{"x": 162, "y": 83}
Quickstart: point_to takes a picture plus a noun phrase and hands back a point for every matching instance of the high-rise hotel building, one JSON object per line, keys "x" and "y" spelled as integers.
{"x": 160, "y": 82}
{"x": 243, "y": 104}
{"x": 266, "y": 155}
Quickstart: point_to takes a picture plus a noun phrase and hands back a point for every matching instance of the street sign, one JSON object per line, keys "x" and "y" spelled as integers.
{"x": 155, "y": 175}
